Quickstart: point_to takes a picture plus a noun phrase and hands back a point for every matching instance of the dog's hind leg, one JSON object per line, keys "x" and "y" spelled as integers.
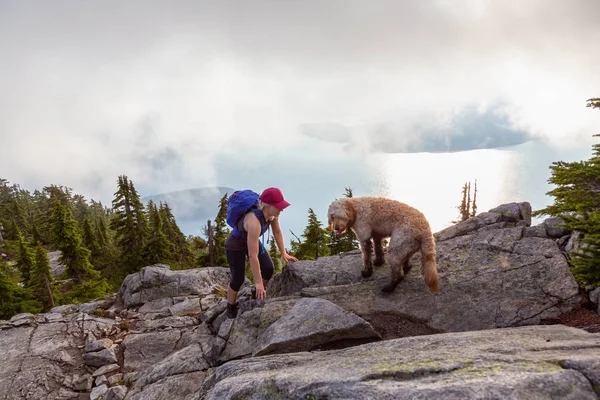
{"x": 366, "y": 247}
{"x": 378, "y": 243}
{"x": 402, "y": 246}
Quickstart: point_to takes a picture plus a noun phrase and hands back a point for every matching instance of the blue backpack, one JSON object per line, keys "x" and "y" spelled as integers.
{"x": 238, "y": 204}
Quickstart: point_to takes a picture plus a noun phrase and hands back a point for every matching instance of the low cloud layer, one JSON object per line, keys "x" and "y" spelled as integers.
{"x": 469, "y": 130}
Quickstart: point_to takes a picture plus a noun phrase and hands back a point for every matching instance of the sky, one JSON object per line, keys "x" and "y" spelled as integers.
{"x": 309, "y": 96}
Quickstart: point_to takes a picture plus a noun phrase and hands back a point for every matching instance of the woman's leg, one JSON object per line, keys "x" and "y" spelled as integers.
{"x": 237, "y": 266}
{"x": 266, "y": 267}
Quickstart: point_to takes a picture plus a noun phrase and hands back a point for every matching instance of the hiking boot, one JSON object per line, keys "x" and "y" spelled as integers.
{"x": 232, "y": 310}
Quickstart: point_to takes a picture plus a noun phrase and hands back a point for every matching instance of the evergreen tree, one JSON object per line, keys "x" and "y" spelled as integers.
{"x": 5, "y": 193}
{"x": 129, "y": 224}
{"x": 205, "y": 256}
{"x": 221, "y": 232}
{"x": 467, "y": 207}
{"x": 295, "y": 243}
{"x": 80, "y": 210}
{"x": 275, "y": 255}
{"x": 181, "y": 248}
{"x": 24, "y": 260}
{"x": 101, "y": 234}
{"x": 8, "y": 291}
{"x": 158, "y": 249}
{"x": 474, "y": 203}
{"x": 464, "y": 205}
{"x": 13, "y": 298}
{"x": 59, "y": 193}
{"x": 106, "y": 258}
{"x": 36, "y": 236}
{"x": 13, "y": 233}
{"x": 19, "y": 216}
{"x": 89, "y": 239}
{"x": 66, "y": 238}
{"x": 41, "y": 227}
{"x": 577, "y": 203}
{"x": 316, "y": 239}
{"x": 41, "y": 278}
{"x": 346, "y": 241}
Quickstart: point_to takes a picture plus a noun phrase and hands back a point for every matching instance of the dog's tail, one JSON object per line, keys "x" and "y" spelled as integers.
{"x": 428, "y": 263}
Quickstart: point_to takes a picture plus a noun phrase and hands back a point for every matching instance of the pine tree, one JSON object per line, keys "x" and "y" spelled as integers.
{"x": 15, "y": 299}
{"x": 474, "y": 203}
{"x": 316, "y": 239}
{"x": 25, "y": 262}
{"x": 158, "y": 249}
{"x": 129, "y": 224}
{"x": 59, "y": 193}
{"x": 41, "y": 228}
{"x": 13, "y": 232}
{"x": 181, "y": 248}
{"x": 80, "y": 210}
{"x": 5, "y": 193}
{"x": 221, "y": 232}
{"x": 7, "y": 296}
{"x": 577, "y": 203}
{"x": 19, "y": 216}
{"x": 295, "y": 243}
{"x": 6, "y": 199}
{"x": 465, "y": 204}
{"x": 41, "y": 279}
{"x": 26, "y": 202}
{"x": 101, "y": 234}
{"x": 275, "y": 255}
{"x": 103, "y": 250}
{"x": 36, "y": 236}
{"x": 467, "y": 207}
{"x": 205, "y": 256}
{"x": 66, "y": 238}
{"x": 89, "y": 239}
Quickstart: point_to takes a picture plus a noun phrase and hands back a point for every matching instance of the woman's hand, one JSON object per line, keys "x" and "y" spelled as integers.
{"x": 261, "y": 293}
{"x": 288, "y": 258}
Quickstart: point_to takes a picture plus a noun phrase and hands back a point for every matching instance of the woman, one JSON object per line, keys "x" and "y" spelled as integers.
{"x": 251, "y": 226}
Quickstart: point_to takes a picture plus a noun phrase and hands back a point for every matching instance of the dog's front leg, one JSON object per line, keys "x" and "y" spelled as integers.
{"x": 366, "y": 247}
{"x": 378, "y": 243}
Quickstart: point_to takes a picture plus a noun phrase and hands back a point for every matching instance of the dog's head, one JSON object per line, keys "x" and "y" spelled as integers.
{"x": 341, "y": 216}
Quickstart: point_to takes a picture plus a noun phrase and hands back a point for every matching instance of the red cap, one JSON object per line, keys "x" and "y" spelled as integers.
{"x": 274, "y": 197}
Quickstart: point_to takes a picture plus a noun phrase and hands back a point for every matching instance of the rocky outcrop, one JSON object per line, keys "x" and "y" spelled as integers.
{"x": 159, "y": 283}
{"x": 492, "y": 275}
{"x": 96, "y": 350}
{"x": 289, "y": 326}
{"x": 553, "y": 362}
{"x": 43, "y": 355}
{"x": 324, "y": 331}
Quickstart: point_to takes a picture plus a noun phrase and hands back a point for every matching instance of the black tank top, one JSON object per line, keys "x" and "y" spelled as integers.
{"x": 241, "y": 243}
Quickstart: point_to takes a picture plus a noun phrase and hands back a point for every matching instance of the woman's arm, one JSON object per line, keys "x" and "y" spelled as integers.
{"x": 253, "y": 228}
{"x": 279, "y": 240}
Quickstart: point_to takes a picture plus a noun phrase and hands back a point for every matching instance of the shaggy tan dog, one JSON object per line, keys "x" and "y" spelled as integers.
{"x": 378, "y": 218}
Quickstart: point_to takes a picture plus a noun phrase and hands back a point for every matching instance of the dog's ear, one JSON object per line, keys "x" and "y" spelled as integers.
{"x": 350, "y": 212}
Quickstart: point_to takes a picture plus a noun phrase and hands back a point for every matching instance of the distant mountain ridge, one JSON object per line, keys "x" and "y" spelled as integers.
{"x": 192, "y": 208}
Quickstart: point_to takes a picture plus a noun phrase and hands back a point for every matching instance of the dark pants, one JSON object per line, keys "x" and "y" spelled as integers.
{"x": 237, "y": 265}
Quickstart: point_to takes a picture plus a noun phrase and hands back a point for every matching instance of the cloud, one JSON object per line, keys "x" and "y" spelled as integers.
{"x": 92, "y": 90}
{"x": 468, "y": 130}
{"x": 328, "y": 132}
